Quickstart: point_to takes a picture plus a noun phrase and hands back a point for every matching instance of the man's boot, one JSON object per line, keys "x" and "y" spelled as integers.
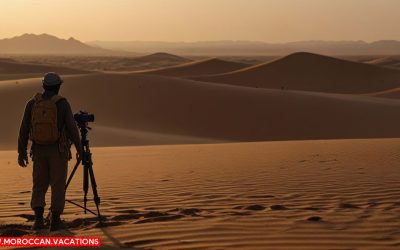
{"x": 39, "y": 221}
{"x": 55, "y": 222}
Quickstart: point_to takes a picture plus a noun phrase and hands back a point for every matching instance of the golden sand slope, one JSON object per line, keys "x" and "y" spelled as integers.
{"x": 198, "y": 68}
{"x": 15, "y": 70}
{"x": 270, "y": 195}
{"x": 306, "y": 71}
{"x": 188, "y": 112}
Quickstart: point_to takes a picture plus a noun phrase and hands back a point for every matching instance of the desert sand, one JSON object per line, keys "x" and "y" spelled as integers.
{"x": 339, "y": 194}
{"x": 311, "y": 72}
{"x": 85, "y": 63}
{"x": 188, "y": 111}
{"x": 10, "y": 69}
{"x": 388, "y": 61}
{"x": 191, "y": 164}
{"x": 390, "y": 93}
{"x": 197, "y": 68}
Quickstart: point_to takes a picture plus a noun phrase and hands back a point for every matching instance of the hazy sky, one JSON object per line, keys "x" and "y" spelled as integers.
{"x": 193, "y": 20}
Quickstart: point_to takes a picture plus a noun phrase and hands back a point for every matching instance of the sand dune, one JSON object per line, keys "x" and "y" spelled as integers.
{"x": 390, "y": 93}
{"x": 161, "y": 56}
{"x": 10, "y": 69}
{"x": 388, "y": 61}
{"x": 311, "y": 72}
{"x": 274, "y": 195}
{"x": 198, "y": 68}
{"x": 216, "y": 112}
{"x": 152, "y": 61}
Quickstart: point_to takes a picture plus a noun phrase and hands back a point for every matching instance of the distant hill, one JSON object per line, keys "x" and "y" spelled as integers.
{"x": 312, "y": 72}
{"x": 45, "y": 44}
{"x": 197, "y": 68}
{"x": 251, "y": 48}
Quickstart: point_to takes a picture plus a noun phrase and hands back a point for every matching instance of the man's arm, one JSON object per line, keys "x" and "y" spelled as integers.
{"x": 24, "y": 133}
{"x": 24, "y": 130}
{"x": 72, "y": 129}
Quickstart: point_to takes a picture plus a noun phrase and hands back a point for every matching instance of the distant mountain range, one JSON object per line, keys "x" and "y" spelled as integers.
{"x": 29, "y": 44}
{"x": 245, "y": 48}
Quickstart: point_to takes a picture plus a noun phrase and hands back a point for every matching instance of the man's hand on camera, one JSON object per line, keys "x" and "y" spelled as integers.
{"x": 23, "y": 161}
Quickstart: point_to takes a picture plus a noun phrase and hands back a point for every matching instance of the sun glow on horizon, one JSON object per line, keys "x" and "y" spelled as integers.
{"x": 194, "y": 20}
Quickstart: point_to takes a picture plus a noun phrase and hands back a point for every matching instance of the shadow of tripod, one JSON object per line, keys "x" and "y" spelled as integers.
{"x": 87, "y": 172}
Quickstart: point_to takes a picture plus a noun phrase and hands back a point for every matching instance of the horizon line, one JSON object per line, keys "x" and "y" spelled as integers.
{"x": 200, "y": 41}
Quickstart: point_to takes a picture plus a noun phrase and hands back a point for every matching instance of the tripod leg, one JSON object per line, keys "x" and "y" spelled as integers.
{"x": 72, "y": 175}
{"x": 85, "y": 185}
{"x": 94, "y": 189}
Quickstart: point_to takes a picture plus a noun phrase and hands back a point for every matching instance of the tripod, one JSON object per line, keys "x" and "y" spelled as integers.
{"x": 87, "y": 173}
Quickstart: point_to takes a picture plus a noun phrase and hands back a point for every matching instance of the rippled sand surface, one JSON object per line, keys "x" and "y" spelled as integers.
{"x": 339, "y": 194}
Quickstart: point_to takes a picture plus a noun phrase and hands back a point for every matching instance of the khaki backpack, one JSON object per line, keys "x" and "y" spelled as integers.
{"x": 44, "y": 129}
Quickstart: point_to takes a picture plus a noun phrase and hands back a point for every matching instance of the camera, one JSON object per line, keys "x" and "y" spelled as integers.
{"x": 83, "y": 117}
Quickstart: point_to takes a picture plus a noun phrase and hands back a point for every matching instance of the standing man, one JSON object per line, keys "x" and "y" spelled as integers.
{"x": 48, "y": 122}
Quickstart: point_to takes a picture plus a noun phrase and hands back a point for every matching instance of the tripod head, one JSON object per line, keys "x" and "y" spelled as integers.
{"x": 82, "y": 119}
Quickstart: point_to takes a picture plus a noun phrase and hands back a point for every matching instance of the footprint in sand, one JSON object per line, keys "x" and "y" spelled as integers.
{"x": 186, "y": 211}
{"x": 278, "y": 207}
{"x": 129, "y": 211}
{"x": 255, "y": 207}
{"x": 314, "y": 218}
{"x": 126, "y": 217}
{"x": 348, "y": 206}
{"x": 113, "y": 199}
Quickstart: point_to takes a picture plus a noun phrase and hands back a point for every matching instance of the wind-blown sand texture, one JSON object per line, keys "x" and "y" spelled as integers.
{"x": 340, "y": 194}
{"x": 311, "y": 72}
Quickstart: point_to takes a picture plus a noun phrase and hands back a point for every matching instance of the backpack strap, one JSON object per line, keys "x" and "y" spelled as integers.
{"x": 56, "y": 98}
{"x": 38, "y": 97}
